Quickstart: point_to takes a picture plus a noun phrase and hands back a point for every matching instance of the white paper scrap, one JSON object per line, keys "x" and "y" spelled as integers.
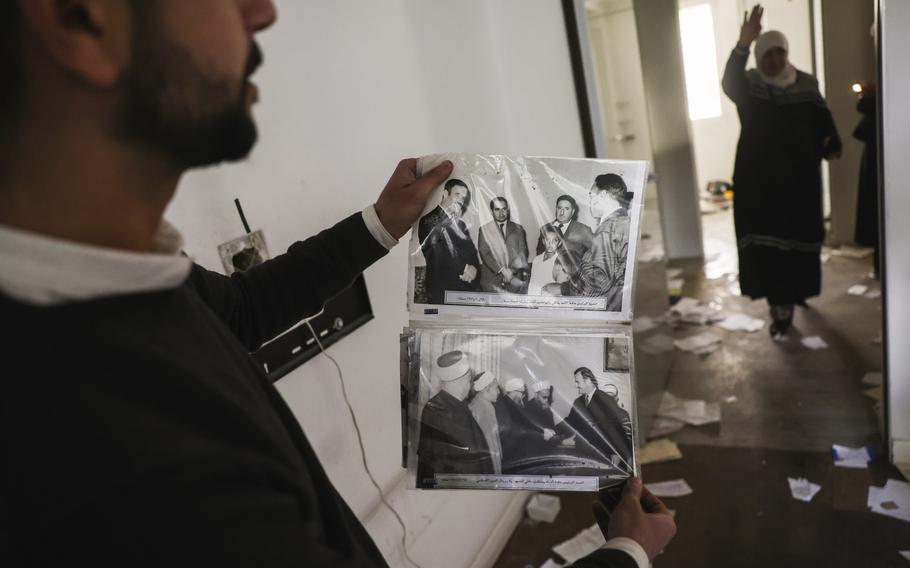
{"x": 814, "y": 342}
{"x": 674, "y": 272}
{"x": 872, "y": 379}
{"x": 675, "y": 286}
{"x": 665, "y": 426}
{"x": 673, "y": 488}
{"x": 581, "y": 545}
{"x": 852, "y": 252}
{"x": 802, "y": 489}
{"x": 730, "y": 399}
{"x": 872, "y": 294}
{"x": 856, "y": 458}
{"x": 857, "y": 290}
{"x": 643, "y": 324}
{"x": 694, "y": 412}
{"x": 550, "y": 563}
{"x": 700, "y": 344}
{"x": 741, "y": 322}
{"x": 892, "y": 500}
{"x": 904, "y": 553}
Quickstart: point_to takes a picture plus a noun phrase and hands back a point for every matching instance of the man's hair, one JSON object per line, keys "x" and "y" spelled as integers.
{"x": 572, "y": 202}
{"x": 10, "y": 63}
{"x": 495, "y": 199}
{"x": 615, "y": 186}
{"x": 455, "y": 182}
{"x": 586, "y": 373}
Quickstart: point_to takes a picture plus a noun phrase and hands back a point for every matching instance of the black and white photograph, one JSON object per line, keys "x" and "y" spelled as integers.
{"x": 520, "y": 411}
{"x": 522, "y": 236}
{"x": 243, "y": 253}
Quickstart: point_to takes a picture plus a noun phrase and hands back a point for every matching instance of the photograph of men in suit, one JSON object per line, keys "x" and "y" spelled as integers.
{"x": 575, "y": 236}
{"x": 451, "y": 257}
{"x": 602, "y": 429}
{"x": 503, "y": 248}
{"x": 483, "y": 408}
{"x": 450, "y": 440}
{"x": 602, "y": 271}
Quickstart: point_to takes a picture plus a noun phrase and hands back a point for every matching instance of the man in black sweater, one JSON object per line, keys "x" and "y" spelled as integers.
{"x": 134, "y": 428}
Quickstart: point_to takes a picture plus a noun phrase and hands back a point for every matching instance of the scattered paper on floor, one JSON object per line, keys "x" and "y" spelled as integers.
{"x": 814, "y": 342}
{"x": 665, "y": 426}
{"x": 857, "y": 289}
{"x": 643, "y": 324}
{"x": 550, "y": 563}
{"x": 856, "y": 458}
{"x": 675, "y": 286}
{"x": 691, "y": 311}
{"x": 581, "y": 545}
{"x": 673, "y": 488}
{"x": 674, "y": 272}
{"x": 694, "y": 412}
{"x": 700, "y": 344}
{"x": 872, "y": 294}
{"x": 659, "y": 451}
{"x": 904, "y": 553}
{"x": 872, "y": 378}
{"x": 803, "y": 489}
{"x": 741, "y": 322}
{"x": 730, "y": 399}
{"x": 892, "y": 500}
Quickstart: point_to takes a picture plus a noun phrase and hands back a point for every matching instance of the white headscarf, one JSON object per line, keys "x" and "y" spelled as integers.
{"x": 770, "y": 40}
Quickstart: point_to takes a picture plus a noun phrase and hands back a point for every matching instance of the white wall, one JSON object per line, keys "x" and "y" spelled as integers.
{"x": 714, "y": 139}
{"x": 348, "y": 88}
{"x": 895, "y": 46}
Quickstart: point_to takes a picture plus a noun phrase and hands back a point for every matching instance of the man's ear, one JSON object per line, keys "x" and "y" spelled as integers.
{"x": 87, "y": 38}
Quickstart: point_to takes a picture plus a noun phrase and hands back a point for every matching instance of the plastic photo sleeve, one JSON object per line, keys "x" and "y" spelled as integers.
{"x": 520, "y": 411}
{"x": 527, "y": 237}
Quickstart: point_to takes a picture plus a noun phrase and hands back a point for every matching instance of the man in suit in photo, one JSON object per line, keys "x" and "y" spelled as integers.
{"x": 575, "y": 236}
{"x": 503, "y": 248}
{"x": 602, "y": 429}
{"x": 452, "y": 259}
{"x": 451, "y": 441}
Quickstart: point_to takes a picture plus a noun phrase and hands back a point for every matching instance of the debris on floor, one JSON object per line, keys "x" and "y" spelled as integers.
{"x": 857, "y": 289}
{"x": 730, "y": 399}
{"x": 675, "y": 286}
{"x": 872, "y": 378}
{"x": 581, "y": 545}
{"x": 659, "y": 451}
{"x": 673, "y": 488}
{"x": 664, "y": 427}
{"x": 656, "y": 344}
{"x": 802, "y": 489}
{"x": 644, "y": 324}
{"x": 892, "y": 500}
{"x": 741, "y": 322}
{"x": 543, "y": 508}
{"x": 691, "y": 311}
{"x": 674, "y": 272}
{"x": 875, "y": 393}
{"x": 873, "y": 294}
{"x": 814, "y": 342}
{"x": 701, "y": 344}
{"x": 856, "y": 458}
{"x": 550, "y": 563}
{"x": 694, "y": 412}
{"x": 904, "y": 553}
{"x": 852, "y": 252}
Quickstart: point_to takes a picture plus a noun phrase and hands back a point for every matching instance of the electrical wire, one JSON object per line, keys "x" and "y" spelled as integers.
{"x": 363, "y": 455}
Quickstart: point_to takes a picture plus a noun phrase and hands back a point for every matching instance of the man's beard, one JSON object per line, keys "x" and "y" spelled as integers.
{"x": 180, "y": 109}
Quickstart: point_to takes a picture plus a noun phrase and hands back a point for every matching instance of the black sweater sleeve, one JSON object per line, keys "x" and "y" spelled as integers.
{"x": 260, "y": 303}
{"x": 735, "y": 83}
{"x": 609, "y": 558}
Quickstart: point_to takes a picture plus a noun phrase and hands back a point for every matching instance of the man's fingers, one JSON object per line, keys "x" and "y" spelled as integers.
{"x": 652, "y": 504}
{"x": 434, "y": 177}
{"x": 632, "y": 491}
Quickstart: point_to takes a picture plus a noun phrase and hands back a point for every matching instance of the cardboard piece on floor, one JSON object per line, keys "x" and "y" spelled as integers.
{"x": 855, "y": 458}
{"x": 875, "y": 393}
{"x": 802, "y": 489}
{"x": 892, "y": 500}
{"x": 672, "y": 488}
{"x": 814, "y": 342}
{"x": 659, "y": 451}
{"x": 581, "y": 545}
{"x": 741, "y": 322}
{"x": 701, "y": 344}
{"x": 872, "y": 379}
{"x": 694, "y": 412}
{"x": 857, "y": 289}
{"x": 852, "y": 252}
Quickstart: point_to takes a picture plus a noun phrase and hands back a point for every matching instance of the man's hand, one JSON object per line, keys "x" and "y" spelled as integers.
{"x": 469, "y": 273}
{"x": 547, "y": 434}
{"x": 405, "y": 196}
{"x": 506, "y": 275}
{"x": 751, "y": 26}
{"x": 640, "y": 516}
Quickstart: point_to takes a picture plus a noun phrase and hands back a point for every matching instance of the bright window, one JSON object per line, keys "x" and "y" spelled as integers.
{"x": 696, "y": 24}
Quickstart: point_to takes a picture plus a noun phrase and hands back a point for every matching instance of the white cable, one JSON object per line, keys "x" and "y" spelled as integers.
{"x": 363, "y": 455}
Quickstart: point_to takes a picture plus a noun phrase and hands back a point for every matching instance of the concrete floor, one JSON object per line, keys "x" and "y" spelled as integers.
{"x": 791, "y": 405}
